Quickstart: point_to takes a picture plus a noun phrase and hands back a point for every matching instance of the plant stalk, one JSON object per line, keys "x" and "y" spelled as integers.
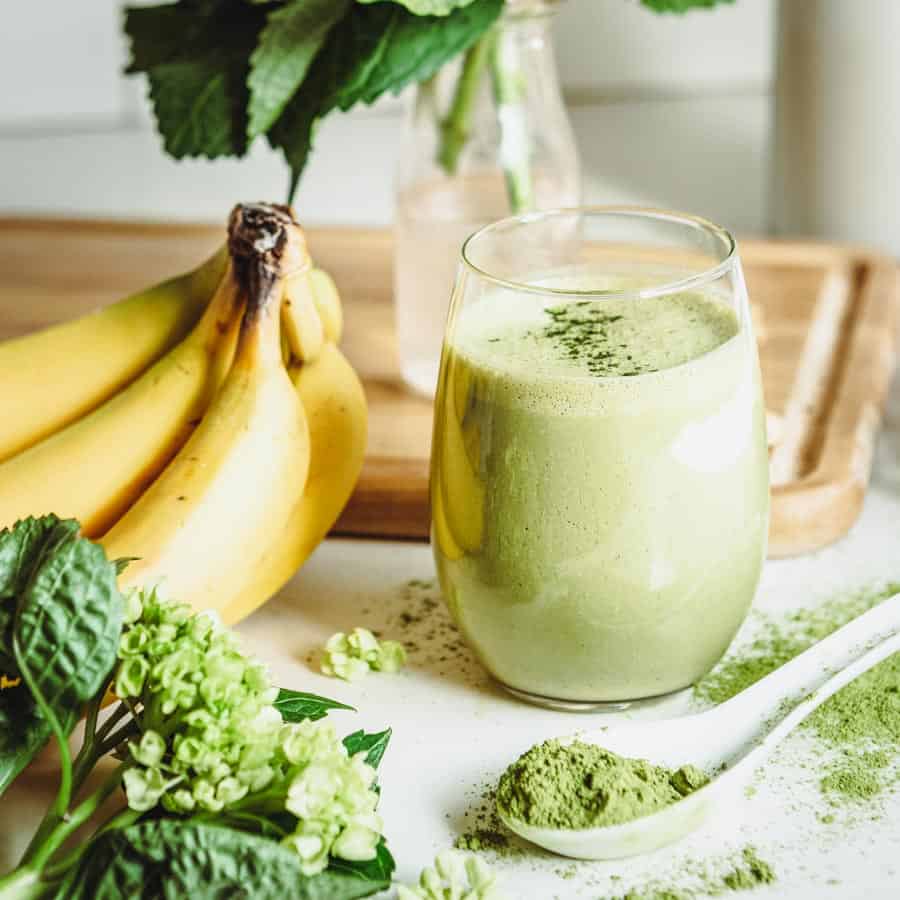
{"x": 72, "y": 821}
{"x": 24, "y": 884}
{"x": 456, "y": 127}
{"x": 508, "y": 82}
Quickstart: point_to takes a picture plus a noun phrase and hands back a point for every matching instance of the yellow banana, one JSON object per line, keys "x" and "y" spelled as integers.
{"x": 336, "y": 411}
{"x": 300, "y": 318}
{"x": 53, "y": 377}
{"x": 203, "y": 525}
{"x": 328, "y": 304}
{"x": 96, "y": 467}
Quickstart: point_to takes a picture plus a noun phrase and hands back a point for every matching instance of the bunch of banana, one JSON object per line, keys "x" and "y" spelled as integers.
{"x": 209, "y": 429}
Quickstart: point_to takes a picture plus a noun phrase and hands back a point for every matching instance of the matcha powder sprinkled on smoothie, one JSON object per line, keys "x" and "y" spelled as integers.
{"x": 580, "y": 785}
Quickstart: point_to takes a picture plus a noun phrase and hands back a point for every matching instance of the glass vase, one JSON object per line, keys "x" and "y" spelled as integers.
{"x": 486, "y": 137}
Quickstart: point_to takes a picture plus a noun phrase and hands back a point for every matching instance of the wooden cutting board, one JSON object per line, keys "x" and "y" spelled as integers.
{"x": 830, "y": 319}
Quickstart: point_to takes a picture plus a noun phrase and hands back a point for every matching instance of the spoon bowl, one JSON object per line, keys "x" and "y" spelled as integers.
{"x": 730, "y": 742}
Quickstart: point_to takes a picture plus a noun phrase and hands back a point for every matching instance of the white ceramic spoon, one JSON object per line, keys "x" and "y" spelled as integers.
{"x": 735, "y": 738}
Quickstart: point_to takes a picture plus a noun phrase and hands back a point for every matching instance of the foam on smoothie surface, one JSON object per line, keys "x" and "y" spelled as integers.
{"x": 602, "y": 338}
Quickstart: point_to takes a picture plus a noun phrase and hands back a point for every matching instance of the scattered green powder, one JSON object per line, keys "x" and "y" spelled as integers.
{"x": 858, "y": 776}
{"x": 750, "y": 873}
{"x": 580, "y": 785}
{"x": 481, "y": 839}
{"x": 710, "y": 879}
{"x": 486, "y": 833}
{"x": 861, "y": 723}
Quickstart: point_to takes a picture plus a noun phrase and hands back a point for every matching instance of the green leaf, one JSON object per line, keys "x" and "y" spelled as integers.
{"x": 292, "y": 37}
{"x": 175, "y": 858}
{"x": 295, "y": 706}
{"x": 351, "y": 50}
{"x": 374, "y": 49}
{"x": 196, "y": 56}
{"x": 373, "y": 745}
{"x": 427, "y": 7}
{"x": 681, "y": 6}
{"x": 377, "y": 870}
{"x": 23, "y": 732}
{"x": 21, "y": 548}
{"x": 68, "y": 624}
{"x": 420, "y": 45}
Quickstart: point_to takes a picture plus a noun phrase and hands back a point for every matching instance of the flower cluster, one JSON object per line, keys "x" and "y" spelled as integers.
{"x": 331, "y": 794}
{"x": 212, "y": 740}
{"x": 351, "y": 656}
{"x": 455, "y": 876}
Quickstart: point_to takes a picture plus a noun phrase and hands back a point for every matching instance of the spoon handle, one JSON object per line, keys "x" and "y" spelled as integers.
{"x": 794, "y": 690}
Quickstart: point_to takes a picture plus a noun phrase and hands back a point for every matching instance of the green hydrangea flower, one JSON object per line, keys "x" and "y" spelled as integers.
{"x": 455, "y": 876}
{"x": 332, "y": 794}
{"x": 212, "y": 740}
{"x": 350, "y": 656}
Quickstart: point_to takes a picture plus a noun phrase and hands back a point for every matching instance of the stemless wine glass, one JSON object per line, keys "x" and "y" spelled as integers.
{"x": 599, "y": 475}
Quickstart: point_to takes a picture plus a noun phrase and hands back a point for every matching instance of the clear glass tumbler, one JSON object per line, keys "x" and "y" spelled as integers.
{"x": 599, "y": 477}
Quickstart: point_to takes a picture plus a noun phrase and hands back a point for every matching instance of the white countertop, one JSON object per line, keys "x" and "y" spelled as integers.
{"x": 455, "y": 731}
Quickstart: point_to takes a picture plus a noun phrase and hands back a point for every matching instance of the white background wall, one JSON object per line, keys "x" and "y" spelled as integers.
{"x": 668, "y": 110}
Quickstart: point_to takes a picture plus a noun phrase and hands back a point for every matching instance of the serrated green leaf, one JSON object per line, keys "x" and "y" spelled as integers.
{"x": 681, "y": 6}
{"x": 68, "y": 624}
{"x": 199, "y": 108}
{"x": 374, "y": 49}
{"x": 23, "y": 732}
{"x": 21, "y": 548}
{"x": 295, "y": 706}
{"x": 426, "y": 7}
{"x": 196, "y": 57}
{"x": 373, "y": 745}
{"x": 351, "y": 50}
{"x": 159, "y": 33}
{"x": 420, "y": 45}
{"x": 287, "y": 45}
{"x": 175, "y": 858}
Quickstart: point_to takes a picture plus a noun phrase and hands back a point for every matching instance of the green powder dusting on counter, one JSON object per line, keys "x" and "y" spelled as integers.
{"x": 860, "y": 724}
{"x": 751, "y": 872}
{"x": 780, "y": 641}
{"x": 580, "y": 785}
{"x": 710, "y": 879}
{"x": 481, "y": 839}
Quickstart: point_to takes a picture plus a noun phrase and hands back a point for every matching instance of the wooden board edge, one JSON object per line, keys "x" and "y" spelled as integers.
{"x": 821, "y": 507}
{"x": 388, "y": 501}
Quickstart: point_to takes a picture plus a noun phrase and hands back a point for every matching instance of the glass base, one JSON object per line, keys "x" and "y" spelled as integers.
{"x": 593, "y": 706}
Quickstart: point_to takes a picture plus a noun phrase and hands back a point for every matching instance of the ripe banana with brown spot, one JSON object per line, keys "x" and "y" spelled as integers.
{"x": 201, "y": 530}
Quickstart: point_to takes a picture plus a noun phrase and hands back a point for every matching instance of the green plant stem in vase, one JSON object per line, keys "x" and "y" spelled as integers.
{"x": 456, "y": 126}
{"x": 508, "y": 83}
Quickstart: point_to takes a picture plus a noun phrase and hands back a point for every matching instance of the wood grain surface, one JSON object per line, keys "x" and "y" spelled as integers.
{"x": 828, "y": 380}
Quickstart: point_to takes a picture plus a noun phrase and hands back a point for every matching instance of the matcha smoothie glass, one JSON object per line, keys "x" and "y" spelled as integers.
{"x": 599, "y": 474}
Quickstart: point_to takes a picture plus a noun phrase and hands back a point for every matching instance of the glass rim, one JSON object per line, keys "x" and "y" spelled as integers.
{"x": 639, "y": 212}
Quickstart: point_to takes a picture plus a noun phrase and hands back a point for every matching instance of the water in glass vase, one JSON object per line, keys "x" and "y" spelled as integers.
{"x": 432, "y": 222}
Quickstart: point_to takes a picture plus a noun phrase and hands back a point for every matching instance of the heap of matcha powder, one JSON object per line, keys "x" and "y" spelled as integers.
{"x": 579, "y": 785}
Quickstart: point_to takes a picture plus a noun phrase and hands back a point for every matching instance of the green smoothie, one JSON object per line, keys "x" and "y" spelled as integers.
{"x": 599, "y": 489}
